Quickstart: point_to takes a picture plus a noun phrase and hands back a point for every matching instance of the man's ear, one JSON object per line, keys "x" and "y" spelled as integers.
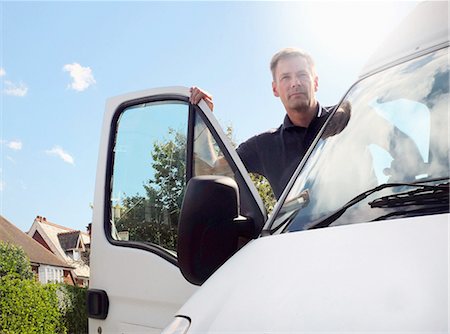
{"x": 274, "y": 89}
{"x": 316, "y": 83}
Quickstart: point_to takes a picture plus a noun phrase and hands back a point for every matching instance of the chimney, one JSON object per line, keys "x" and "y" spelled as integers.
{"x": 89, "y": 229}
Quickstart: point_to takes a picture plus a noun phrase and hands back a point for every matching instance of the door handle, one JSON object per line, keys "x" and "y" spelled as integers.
{"x": 97, "y": 304}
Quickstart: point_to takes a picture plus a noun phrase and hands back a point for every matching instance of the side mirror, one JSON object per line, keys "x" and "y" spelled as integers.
{"x": 209, "y": 226}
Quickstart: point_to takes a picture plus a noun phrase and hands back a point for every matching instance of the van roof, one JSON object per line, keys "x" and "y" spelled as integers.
{"x": 425, "y": 28}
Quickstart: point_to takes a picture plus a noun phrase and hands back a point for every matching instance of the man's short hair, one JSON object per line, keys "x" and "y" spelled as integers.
{"x": 291, "y": 52}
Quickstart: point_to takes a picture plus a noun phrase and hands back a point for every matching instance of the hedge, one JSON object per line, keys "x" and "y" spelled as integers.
{"x": 73, "y": 308}
{"x": 13, "y": 260}
{"x": 27, "y": 306}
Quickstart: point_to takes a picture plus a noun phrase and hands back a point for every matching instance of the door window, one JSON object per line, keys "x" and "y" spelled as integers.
{"x": 208, "y": 157}
{"x": 149, "y": 173}
{"x": 157, "y": 147}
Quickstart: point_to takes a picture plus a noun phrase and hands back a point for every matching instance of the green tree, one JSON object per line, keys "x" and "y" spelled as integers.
{"x": 169, "y": 163}
{"x": 26, "y": 306}
{"x": 262, "y": 185}
{"x": 264, "y": 191}
{"x": 72, "y": 303}
{"x": 153, "y": 218}
{"x": 13, "y": 260}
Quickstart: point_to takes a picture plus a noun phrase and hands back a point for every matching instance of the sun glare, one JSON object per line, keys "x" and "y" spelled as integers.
{"x": 356, "y": 27}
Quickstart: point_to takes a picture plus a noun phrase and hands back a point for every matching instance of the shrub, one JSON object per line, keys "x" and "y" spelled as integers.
{"x": 73, "y": 307}
{"x": 13, "y": 260}
{"x": 26, "y": 306}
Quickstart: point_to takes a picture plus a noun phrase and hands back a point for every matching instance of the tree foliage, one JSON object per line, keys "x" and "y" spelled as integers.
{"x": 264, "y": 191}
{"x": 13, "y": 260}
{"x": 26, "y": 306}
{"x": 153, "y": 218}
{"x": 262, "y": 185}
{"x": 72, "y": 305}
{"x": 169, "y": 163}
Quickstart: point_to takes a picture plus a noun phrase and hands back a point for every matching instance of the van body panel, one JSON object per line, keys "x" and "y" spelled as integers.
{"x": 387, "y": 276}
{"x": 427, "y": 28}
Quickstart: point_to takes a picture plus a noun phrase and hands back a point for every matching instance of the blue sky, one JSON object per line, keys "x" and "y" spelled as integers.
{"x": 60, "y": 61}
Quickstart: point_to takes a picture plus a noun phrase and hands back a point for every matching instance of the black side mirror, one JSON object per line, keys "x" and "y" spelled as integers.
{"x": 209, "y": 226}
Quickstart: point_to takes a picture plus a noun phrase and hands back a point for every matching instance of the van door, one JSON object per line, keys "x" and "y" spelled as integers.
{"x": 152, "y": 143}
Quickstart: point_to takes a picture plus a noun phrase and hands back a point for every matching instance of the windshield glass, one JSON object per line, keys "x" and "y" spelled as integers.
{"x": 391, "y": 128}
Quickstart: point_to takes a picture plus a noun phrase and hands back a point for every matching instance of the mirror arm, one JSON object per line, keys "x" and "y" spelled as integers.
{"x": 245, "y": 227}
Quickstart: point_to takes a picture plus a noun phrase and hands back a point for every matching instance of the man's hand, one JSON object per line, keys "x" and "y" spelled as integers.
{"x": 198, "y": 94}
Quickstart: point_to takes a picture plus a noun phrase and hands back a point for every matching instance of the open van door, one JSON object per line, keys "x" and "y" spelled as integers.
{"x": 153, "y": 142}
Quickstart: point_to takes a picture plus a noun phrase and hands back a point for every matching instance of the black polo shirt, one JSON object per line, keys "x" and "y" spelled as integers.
{"x": 276, "y": 153}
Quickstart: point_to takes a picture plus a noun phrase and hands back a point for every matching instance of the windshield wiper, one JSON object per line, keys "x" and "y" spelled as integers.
{"x": 424, "y": 196}
{"x": 425, "y": 192}
{"x": 424, "y": 201}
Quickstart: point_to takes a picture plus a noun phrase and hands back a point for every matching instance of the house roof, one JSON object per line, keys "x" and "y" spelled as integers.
{"x": 86, "y": 238}
{"x": 36, "y": 252}
{"x": 51, "y": 232}
{"x": 69, "y": 240}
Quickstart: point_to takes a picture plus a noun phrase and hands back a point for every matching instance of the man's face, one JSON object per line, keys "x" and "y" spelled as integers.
{"x": 295, "y": 84}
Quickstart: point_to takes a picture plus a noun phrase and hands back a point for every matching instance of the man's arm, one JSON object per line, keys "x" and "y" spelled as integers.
{"x": 339, "y": 120}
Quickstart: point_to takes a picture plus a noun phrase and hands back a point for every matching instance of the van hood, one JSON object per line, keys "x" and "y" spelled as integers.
{"x": 374, "y": 277}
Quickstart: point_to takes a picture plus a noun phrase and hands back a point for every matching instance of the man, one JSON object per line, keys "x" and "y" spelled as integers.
{"x": 276, "y": 153}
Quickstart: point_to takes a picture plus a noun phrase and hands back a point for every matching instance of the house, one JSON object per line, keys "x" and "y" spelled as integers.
{"x": 67, "y": 244}
{"x": 46, "y": 266}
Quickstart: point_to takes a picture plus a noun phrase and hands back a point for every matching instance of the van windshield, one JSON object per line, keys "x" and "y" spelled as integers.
{"x": 390, "y": 136}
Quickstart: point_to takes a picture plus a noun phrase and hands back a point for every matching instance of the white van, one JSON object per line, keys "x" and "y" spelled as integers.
{"x": 358, "y": 242}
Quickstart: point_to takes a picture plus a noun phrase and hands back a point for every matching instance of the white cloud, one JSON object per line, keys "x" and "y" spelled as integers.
{"x": 59, "y": 152}
{"x": 82, "y": 76}
{"x": 15, "y": 145}
{"x": 2, "y": 72}
{"x": 13, "y": 89}
{"x": 2, "y": 185}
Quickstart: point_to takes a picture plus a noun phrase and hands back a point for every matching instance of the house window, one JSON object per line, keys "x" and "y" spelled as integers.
{"x": 76, "y": 255}
{"x": 48, "y": 274}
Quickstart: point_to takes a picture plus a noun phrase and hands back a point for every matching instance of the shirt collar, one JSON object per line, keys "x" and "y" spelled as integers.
{"x": 287, "y": 123}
